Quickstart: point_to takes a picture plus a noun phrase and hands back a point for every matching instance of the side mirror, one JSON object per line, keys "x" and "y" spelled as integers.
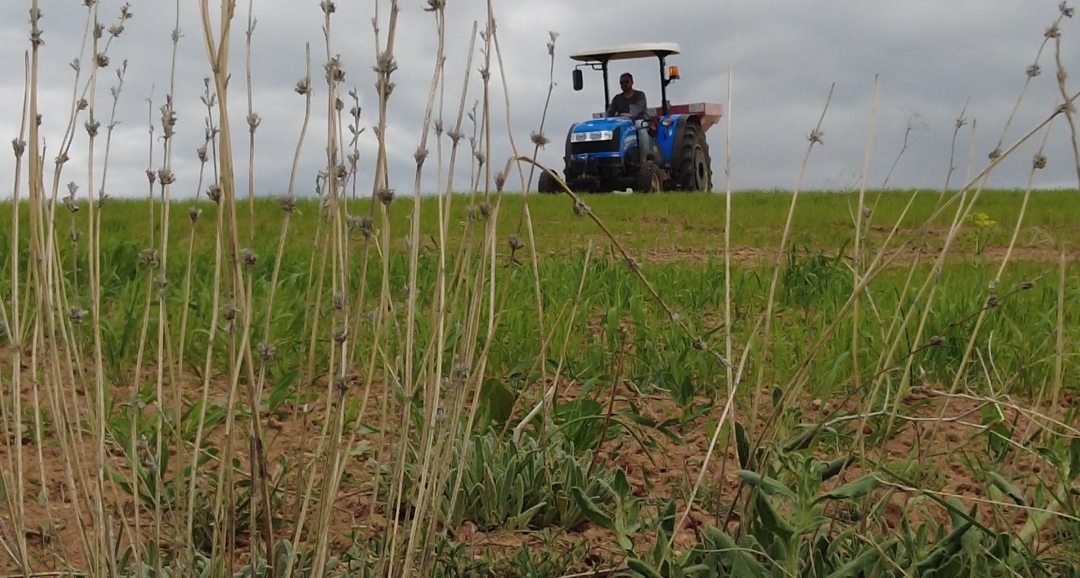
{"x": 579, "y": 79}
{"x": 673, "y": 72}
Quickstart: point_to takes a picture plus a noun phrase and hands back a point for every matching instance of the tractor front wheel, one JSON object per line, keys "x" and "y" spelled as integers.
{"x": 694, "y": 171}
{"x": 649, "y": 178}
{"x": 547, "y": 183}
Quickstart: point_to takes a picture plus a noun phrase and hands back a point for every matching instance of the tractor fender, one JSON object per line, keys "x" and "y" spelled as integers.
{"x": 669, "y": 138}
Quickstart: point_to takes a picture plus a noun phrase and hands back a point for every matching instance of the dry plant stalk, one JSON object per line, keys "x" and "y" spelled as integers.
{"x": 438, "y": 381}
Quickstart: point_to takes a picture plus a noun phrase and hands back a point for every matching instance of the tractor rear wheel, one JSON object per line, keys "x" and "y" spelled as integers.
{"x": 547, "y": 183}
{"x": 649, "y": 178}
{"x": 694, "y": 171}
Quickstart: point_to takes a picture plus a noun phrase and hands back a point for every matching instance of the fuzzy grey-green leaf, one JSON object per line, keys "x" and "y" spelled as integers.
{"x": 856, "y": 489}
{"x": 764, "y": 483}
{"x": 1002, "y": 484}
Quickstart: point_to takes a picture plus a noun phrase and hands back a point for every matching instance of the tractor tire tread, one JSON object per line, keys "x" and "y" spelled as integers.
{"x": 692, "y": 137}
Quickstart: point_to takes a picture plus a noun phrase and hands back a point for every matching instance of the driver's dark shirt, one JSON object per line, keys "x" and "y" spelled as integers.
{"x": 621, "y": 104}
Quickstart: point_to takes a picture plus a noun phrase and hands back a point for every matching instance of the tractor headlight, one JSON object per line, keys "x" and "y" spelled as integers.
{"x": 592, "y": 136}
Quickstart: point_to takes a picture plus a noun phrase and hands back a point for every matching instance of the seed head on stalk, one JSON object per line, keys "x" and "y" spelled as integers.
{"x": 302, "y": 87}
{"x": 148, "y": 258}
{"x": 267, "y": 351}
{"x": 77, "y": 314}
{"x": 249, "y": 257}
{"x": 69, "y": 200}
{"x": 539, "y": 139}
{"x": 288, "y": 204}
{"x": 386, "y": 196}
{"x": 580, "y": 208}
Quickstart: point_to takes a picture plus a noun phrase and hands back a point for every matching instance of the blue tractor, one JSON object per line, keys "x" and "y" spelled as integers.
{"x": 602, "y": 154}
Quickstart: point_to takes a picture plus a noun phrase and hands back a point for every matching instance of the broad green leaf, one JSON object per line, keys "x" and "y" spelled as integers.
{"x": 521, "y": 521}
{"x": 497, "y": 399}
{"x": 1002, "y": 484}
{"x": 621, "y": 485}
{"x": 742, "y": 562}
{"x": 944, "y": 550}
{"x": 118, "y": 478}
{"x": 667, "y": 518}
{"x": 705, "y": 336}
{"x": 1074, "y": 458}
{"x": 696, "y": 569}
{"x": 771, "y": 519}
{"x": 1002, "y": 546}
{"x": 642, "y": 568}
{"x": 764, "y": 483}
{"x": 282, "y": 390}
{"x": 856, "y": 489}
{"x": 991, "y": 414}
{"x": 591, "y": 510}
{"x": 859, "y": 565}
{"x": 829, "y": 470}
{"x": 742, "y": 445}
{"x": 997, "y": 431}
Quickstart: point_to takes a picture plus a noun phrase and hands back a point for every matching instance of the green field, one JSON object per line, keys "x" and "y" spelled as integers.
{"x": 823, "y": 220}
{"x": 937, "y": 422}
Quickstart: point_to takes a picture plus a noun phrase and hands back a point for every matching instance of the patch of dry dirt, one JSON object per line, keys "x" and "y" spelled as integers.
{"x": 749, "y": 256}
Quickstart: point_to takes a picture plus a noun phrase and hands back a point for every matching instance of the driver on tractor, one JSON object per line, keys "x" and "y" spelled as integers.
{"x": 631, "y": 103}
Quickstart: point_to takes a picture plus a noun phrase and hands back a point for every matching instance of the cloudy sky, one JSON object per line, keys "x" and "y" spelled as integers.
{"x": 934, "y": 57}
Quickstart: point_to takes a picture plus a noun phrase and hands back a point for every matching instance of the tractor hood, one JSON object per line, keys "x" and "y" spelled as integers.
{"x": 599, "y": 129}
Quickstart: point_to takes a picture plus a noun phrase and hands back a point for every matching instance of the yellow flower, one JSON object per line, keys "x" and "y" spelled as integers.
{"x": 982, "y": 221}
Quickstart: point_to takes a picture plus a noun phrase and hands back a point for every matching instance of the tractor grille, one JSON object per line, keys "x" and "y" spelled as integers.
{"x": 590, "y": 147}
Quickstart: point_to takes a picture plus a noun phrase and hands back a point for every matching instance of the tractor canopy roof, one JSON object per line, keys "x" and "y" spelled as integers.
{"x": 628, "y": 52}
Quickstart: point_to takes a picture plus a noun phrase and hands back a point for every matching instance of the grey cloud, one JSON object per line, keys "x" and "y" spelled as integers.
{"x": 932, "y": 58}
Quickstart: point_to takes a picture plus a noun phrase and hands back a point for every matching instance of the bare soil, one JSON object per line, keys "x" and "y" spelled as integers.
{"x": 938, "y": 432}
{"x": 668, "y": 470}
{"x": 757, "y": 257}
